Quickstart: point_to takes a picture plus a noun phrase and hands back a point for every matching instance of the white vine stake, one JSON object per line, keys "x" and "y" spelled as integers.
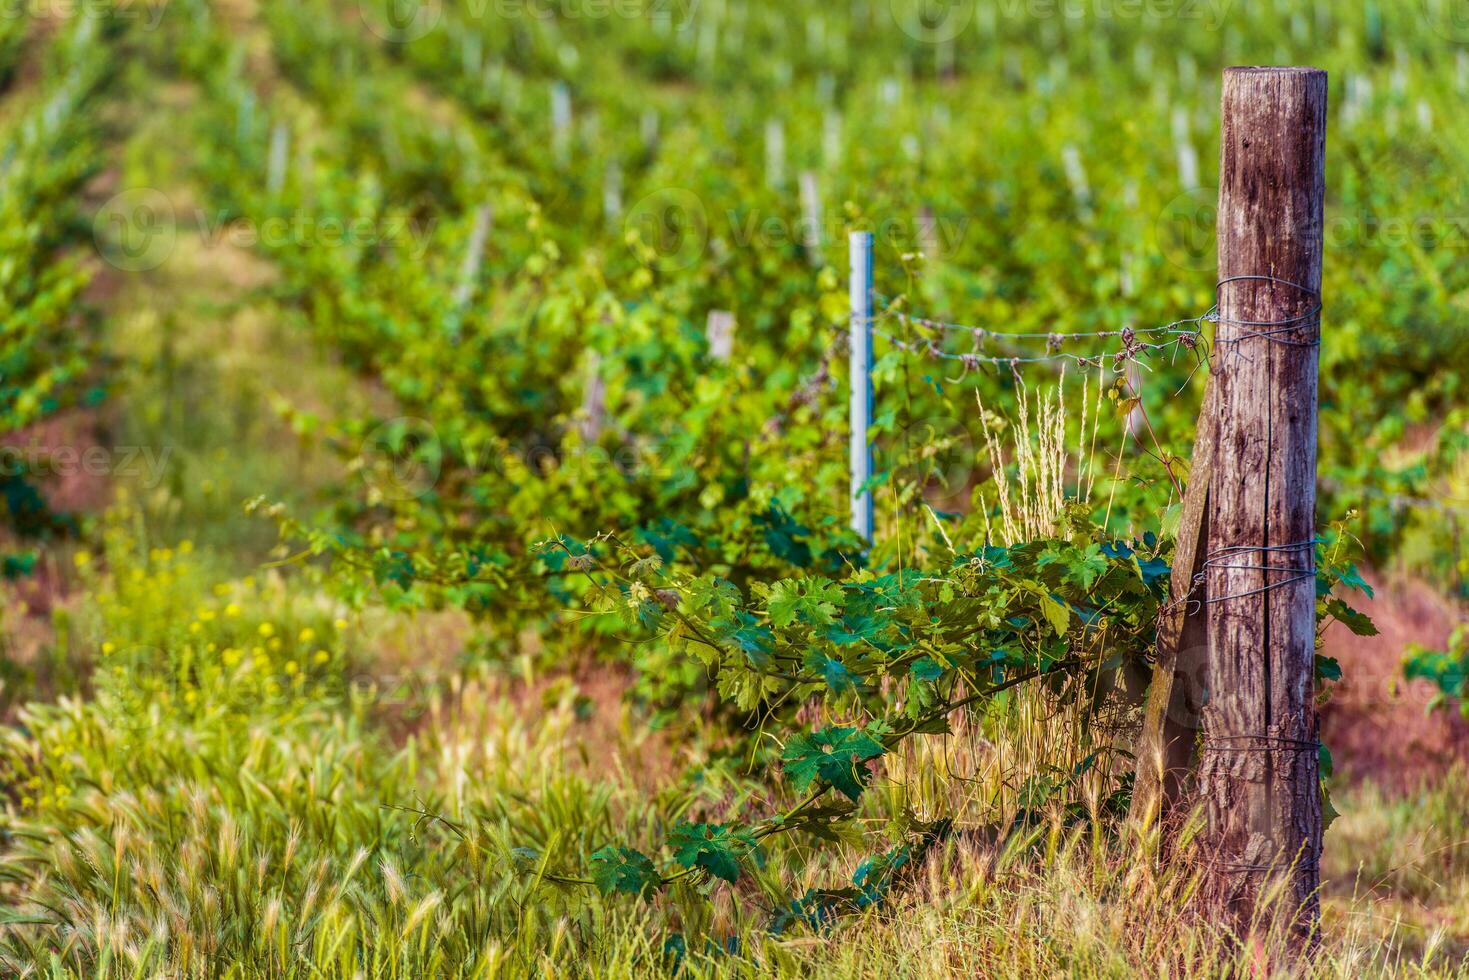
{"x": 831, "y": 138}
{"x": 1188, "y": 157}
{"x": 811, "y": 232}
{"x": 860, "y": 412}
{"x": 561, "y": 121}
{"x": 479, "y": 235}
{"x": 1076, "y": 177}
{"x": 649, "y": 127}
{"x": 720, "y": 334}
{"x": 944, "y": 59}
{"x": 245, "y": 118}
{"x": 775, "y": 154}
{"x": 826, "y": 88}
{"x": 1075, "y": 174}
{"x": 472, "y": 53}
{"x": 928, "y": 232}
{"x": 593, "y": 400}
{"x": 612, "y": 194}
{"x": 280, "y": 144}
{"x": 708, "y": 45}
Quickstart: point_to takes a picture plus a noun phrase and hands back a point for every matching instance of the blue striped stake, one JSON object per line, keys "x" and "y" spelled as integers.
{"x": 860, "y": 413}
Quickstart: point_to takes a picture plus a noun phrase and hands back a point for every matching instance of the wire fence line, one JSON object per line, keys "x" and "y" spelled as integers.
{"x": 1185, "y": 334}
{"x": 928, "y": 337}
{"x": 886, "y": 318}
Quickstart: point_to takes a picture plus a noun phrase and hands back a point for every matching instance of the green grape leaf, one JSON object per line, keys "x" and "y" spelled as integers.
{"x": 926, "y": 669}
{"x": 719, "y": 595}
{"x": 1153, "y": 569}
{"x": 1351, "y": 578}
{"x": 783, "y": 536}
{"x": 1057, "y": 614}
{"x": 622, "y": 869}
{"x": 1359, "y": 623}
{"x": 1085, "y": 567}
{"x": 855, "y": 629}
{"x": 813, "y": 601}
{"x": 837, "y": 676}
{"x": 711, "y": 846}
{"x": 833, "y": 755}
{"x": 745, "y": 632}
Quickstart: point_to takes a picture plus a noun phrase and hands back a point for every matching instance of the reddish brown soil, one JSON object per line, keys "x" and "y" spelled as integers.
{"x": 74, "y": 462}
{"x": 1377, "y": 724}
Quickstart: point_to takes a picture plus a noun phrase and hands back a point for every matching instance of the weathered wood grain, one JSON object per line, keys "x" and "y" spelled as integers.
{"x": 1172, "y": 714}
{"x": 1259, "y": 772}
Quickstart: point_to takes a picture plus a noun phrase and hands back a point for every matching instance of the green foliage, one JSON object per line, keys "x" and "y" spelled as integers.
{"x": 751, "y": 442}
{"x": 717, "y": 849}
{"x": 49, "y": 149}
{"x": 1336, "y": 575}
{"x": 622, "y": 869}
{"x": 1447, "y": 669}
{"x": 834, "y": 756}
{"x": 560, "y": 455}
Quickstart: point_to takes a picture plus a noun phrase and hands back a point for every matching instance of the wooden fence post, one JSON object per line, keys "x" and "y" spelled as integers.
{"x": 1171, "y": 716}
{"x": 1259, "y": 772}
